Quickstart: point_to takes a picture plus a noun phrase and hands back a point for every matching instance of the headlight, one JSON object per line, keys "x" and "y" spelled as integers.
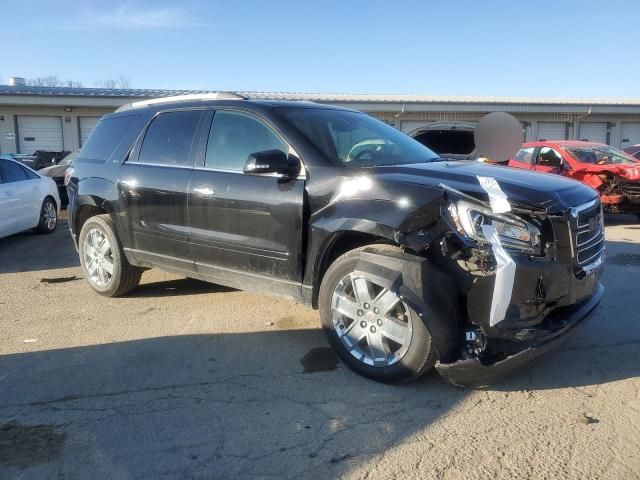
{"x": 514, "y": 232}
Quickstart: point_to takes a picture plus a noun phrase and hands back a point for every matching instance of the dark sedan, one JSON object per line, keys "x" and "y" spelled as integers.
{"x": 57, "y": 173}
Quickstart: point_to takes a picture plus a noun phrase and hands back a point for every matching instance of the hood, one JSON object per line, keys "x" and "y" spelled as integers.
{"x": 552, "y": 193}
{"x": 629, "y": 171}
{"x": 54, "y": 171}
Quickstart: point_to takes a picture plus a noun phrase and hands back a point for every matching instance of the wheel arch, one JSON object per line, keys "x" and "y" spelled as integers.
{"x": 86, "y": 207}
{"x": 336, "y": 245}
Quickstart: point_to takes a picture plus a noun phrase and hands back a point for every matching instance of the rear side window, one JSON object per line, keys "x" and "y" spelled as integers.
{"x": 106, "y": 137}
{"x": 525, "y": 155}
{"x": 234, "y": 136}
{"x": 30, "y": 175}
{"x": 169, "y": 138}
{"x": 12, "y": 172}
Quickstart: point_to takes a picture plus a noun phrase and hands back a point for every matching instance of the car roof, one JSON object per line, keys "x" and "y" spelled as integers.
{"x": 224, "y": 100}
{"x": 564, "y": 143}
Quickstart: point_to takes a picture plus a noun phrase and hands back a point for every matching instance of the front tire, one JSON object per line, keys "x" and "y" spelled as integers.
{"x": 371, "y": 329}
{"x": 103, "y": 262}
{"x": 48, "y": 216}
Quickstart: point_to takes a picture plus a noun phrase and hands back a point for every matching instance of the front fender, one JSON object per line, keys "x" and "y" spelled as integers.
{"x": 426, "y": 289}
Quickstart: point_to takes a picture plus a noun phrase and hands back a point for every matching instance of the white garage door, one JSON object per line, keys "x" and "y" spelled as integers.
{"x": 552, "y": 131}
{"x": 629, "y": 134}
{"x": 86, "y": 125}
{"x": 39, "y": 133}
{"x": 593, "y": 132}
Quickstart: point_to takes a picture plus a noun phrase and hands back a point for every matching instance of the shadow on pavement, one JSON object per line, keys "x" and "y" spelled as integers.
{"x": 171, "y": 288}
{"x": 239, "y": 405}
{"x": 24, "y": 252}
{"x": 230, "y": 406}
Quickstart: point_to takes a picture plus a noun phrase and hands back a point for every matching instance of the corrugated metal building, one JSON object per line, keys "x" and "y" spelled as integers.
{"x": 61, "y": 118}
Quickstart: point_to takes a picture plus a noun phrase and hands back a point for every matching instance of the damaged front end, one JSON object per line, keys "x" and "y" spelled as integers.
{"x": 524, "y": 279}
{"x": 619, "y": 187}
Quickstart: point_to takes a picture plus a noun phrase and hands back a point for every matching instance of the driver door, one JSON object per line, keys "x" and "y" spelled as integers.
{"x": 245, "y": 229}
{"x": 549, "y": 160}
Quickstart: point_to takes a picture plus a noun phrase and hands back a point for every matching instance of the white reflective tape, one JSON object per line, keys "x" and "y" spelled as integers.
{"x": 505, "y": 277}
{"x": 497, "y": 198}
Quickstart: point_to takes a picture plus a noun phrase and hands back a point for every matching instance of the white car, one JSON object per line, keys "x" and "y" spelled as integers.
{"x": 27, "y": 199}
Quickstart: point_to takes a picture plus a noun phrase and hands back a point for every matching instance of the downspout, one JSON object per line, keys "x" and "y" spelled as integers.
{"x": 575, "y": 133}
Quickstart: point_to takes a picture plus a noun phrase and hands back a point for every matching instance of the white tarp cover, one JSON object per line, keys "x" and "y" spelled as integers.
{"x": 505, "y": 276}
{"x": 505, "y": 266}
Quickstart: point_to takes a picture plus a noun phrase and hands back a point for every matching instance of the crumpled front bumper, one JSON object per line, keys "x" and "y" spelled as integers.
{"x": 473, "y": 373}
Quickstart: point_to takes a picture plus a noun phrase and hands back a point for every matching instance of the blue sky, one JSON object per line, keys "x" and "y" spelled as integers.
{"x": 542, "y": 48}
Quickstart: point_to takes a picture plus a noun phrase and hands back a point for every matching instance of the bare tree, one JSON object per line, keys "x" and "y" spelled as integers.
{"x": 52, "y": 81}
{"x": 73, "y": 84}
{"x": 118, "y": 82}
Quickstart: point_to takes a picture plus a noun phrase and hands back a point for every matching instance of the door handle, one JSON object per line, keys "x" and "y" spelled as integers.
{"x": 204, "y": 191}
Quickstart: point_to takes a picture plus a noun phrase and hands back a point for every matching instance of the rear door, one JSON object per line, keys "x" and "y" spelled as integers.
{"x": 548, "y": 160}
{"x": 152, "y": 184}
{"x": 245, "y": 228}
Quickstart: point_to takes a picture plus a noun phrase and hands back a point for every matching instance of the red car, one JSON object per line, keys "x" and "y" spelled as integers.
{"x": 612, "y": 172}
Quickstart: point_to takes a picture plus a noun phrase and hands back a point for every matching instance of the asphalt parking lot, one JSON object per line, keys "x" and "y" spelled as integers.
{"x": 183, "y": 379}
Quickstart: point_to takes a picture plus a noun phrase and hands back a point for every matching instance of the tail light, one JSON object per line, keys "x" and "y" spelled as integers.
{"x": 67, "y": 176}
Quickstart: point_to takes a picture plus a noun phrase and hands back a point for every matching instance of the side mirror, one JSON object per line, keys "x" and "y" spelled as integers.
{"x": 271, "y": 161}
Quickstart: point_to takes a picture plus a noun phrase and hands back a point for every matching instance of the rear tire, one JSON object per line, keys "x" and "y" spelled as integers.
{"x": 362, "y": 337}
{"x": 103, "y": 261}
{"x": 48, "y": 216}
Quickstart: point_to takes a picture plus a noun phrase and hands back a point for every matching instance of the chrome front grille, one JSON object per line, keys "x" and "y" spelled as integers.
{"x": 588, "y": 234}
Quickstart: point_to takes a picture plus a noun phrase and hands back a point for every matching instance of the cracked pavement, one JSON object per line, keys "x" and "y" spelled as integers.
{"x": 183, "y": 379}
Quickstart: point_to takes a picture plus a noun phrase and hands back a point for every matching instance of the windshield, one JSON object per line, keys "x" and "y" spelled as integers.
{"x": 601, "y": 155}
{"x": 356, "y": 139}
{"x": 69, "y": 158}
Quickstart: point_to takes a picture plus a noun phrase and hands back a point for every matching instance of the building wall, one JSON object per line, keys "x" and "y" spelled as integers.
{"x": 530, "y": 120}
{"x": 391, "y": 114}
{"x": 70, "y": 123}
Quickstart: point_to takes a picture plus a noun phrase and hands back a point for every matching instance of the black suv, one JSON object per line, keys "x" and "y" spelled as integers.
{"x": 413, "y": 261}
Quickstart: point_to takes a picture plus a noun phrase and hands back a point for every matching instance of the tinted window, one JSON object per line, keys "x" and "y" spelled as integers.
{"x": 107, "y": 135}
{"x": 356, "y": 139}
{"x": 234, "y": 136}
{"x": 525, "y": 155}
{"x": 12, "y": 172}
{"x": 169, "y": 138}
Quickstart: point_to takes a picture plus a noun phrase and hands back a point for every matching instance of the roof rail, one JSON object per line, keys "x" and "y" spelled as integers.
{"x": 183, "y": 98}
